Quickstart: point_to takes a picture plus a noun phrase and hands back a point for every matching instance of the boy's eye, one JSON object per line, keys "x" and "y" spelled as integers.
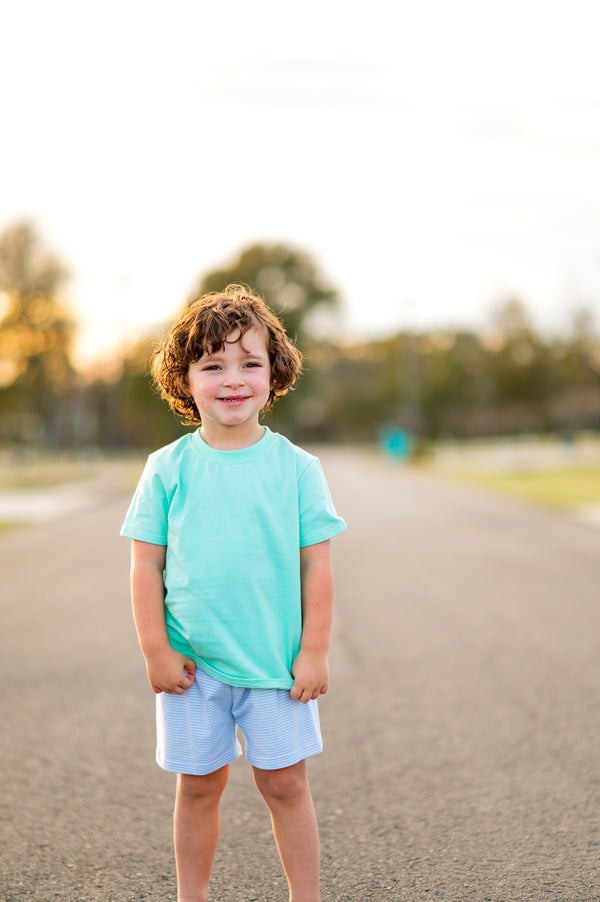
{"x": 211, "y": 366}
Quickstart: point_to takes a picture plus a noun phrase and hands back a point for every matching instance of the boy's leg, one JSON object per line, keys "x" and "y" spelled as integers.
{"x": 196, "y": 827}
{"x": 287, "y": 794}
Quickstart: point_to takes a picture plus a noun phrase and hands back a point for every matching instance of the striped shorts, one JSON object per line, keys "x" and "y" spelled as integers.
{"x": 197, "y": 731}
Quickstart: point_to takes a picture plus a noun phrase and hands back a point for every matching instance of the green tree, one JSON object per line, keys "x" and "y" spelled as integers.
{"x": 288, "y": 279}
{"x": 35, "y": 332}
{"x": 576, "y": 373}
{"x": 582, "y": 363}
{"x": 521, "y": 364}
{"x": 140, "y": 417}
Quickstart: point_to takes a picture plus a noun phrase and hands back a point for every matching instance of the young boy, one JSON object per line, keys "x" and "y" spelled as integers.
{"x": 232, "y": 585}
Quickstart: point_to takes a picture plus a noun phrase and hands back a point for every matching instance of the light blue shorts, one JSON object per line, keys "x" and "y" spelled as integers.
{"x": 197, "y": 731}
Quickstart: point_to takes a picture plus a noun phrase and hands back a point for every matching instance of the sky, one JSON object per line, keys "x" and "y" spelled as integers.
{"x": 434, "y": 159}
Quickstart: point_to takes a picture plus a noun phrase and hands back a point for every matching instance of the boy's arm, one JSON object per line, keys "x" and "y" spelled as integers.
{"x": 168, "y": 670}
{"x": 310, "y": 669}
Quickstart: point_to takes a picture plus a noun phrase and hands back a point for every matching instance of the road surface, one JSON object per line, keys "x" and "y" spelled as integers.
{"x": 462, "y": 728}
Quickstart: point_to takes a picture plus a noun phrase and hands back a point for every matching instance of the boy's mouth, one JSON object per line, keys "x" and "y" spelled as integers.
{"x": 236, "y": 399}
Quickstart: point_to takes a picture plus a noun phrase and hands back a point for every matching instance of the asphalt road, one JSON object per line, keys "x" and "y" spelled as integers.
{"x": 462, "y": 729}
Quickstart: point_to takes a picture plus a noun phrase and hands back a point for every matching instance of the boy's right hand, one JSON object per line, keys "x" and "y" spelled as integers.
{"x": 170, "y": 672}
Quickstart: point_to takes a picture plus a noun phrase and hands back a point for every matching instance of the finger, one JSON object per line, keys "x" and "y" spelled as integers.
{"x": 295, "y": 692}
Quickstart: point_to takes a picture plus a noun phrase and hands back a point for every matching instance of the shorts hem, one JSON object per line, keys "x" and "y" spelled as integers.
{"x": 197, "y": 770}
{"x": 287, "y": 760}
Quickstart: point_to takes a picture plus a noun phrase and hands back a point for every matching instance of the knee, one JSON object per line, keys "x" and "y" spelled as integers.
{"x": 203, "y": 787}
{"x": 282, "y": 785}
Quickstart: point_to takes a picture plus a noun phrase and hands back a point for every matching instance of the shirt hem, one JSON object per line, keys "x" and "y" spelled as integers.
{"x": 243, "y": 682}
{"x": 152, "y": 540}
{"x": 322, "y": 536}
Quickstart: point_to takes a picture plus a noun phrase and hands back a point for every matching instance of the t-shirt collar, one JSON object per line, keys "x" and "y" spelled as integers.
{"x": 232, "y": 457}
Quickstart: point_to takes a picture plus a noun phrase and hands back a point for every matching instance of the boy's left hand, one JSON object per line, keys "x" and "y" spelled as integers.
{"x": 311, "y": 675}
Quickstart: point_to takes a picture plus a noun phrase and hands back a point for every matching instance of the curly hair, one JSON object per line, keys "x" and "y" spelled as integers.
{"x": 204, "y": 328}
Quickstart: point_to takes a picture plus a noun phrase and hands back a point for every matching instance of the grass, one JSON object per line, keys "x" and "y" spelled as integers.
{"x": 543, "y": 470}
{"x": 38, "y": 471}
{"x": 565, "y": 488}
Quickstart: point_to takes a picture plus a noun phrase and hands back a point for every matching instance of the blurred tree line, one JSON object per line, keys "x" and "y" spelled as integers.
{"x": 504, "y": 380}
{"x": 37, "y": 378}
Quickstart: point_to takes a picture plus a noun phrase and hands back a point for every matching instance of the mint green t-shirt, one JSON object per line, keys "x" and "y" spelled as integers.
{"x": 233, "y": 523}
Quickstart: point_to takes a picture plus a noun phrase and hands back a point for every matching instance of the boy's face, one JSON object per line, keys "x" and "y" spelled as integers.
{"x": 231, "y": 387}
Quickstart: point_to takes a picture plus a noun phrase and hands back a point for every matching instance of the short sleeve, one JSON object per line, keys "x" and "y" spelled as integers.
{"x": 147, "y": 517}
{"x": 318, "y": 518}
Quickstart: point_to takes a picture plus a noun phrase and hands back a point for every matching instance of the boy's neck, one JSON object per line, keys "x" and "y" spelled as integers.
{"x": 231, "y": 438}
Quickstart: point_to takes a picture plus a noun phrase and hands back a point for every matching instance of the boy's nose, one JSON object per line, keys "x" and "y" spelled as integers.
{"x": 233, "y": 379}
